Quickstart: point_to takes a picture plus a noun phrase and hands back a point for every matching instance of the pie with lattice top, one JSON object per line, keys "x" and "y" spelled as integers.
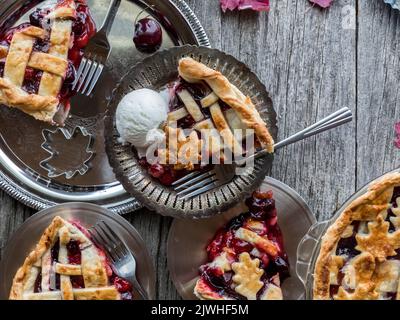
{"x": 246, "y": 258}
{"x": 206, "y": 113}
{"x": 67, "y": 265}
{"x": 38, "y": 59}
{"x": 359, "y": 257}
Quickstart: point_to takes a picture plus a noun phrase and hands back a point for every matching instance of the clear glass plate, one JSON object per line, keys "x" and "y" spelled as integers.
{"x": 188, "y": 239}
{"x": 27, "y": 236}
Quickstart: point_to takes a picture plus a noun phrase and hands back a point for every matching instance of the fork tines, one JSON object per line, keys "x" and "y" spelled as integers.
{"x": 103, "y": 236}
{"x": 87, "y": 76}
{"x": 195, "y": 183}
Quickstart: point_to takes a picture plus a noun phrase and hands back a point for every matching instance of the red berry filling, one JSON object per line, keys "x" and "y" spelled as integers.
{"x": 262, "y": 212}
{"x": 83, "y": 29}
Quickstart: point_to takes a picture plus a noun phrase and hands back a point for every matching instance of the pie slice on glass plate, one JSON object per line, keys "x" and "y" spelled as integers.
{"x": 359, "y": 257}
{"x": 67, "y": 265}
{"x": 38, "y": 59}
{"x": 247, "y": 258}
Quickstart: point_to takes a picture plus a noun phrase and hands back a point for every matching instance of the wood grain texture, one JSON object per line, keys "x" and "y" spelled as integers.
{"x": 311, "y": 66}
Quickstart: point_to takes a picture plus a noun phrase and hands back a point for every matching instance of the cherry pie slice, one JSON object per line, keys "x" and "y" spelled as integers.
{"x": 247, "y": 259}
{"x": 208, "y": 116}
{"x": 359, "y": 257}
{"x": 66, "y": 265}
{"x": 38, "y": 60}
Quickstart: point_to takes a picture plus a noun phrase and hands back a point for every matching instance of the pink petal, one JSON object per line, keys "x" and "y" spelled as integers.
{"x": 258, "y": 5}
{"x": 322, "y": 3}
{"x": 397, "y": 128}
{"x": 397, "y": 139}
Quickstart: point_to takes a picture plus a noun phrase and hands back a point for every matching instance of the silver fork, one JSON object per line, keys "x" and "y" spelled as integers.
{"x": 197, "y": 183}
{"x": 123, "y": 261}
{"x": 96, "y": 55}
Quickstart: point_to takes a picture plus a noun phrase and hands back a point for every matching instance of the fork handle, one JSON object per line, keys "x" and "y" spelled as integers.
{"x": 334, "y": 120}
{"x": 110, "y": 16}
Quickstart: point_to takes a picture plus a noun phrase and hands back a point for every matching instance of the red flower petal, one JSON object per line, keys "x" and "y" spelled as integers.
{"x": 397, "y": 139}
{"x": 258, "y": 5}
{"x": 322, "y": 3}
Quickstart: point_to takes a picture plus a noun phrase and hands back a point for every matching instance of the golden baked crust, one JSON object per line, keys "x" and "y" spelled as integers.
{"x": 375, "y": 244}
{"x": 19, "y": 56}
{"x": 92, "y": 269}
{"x": 193, "y": 71}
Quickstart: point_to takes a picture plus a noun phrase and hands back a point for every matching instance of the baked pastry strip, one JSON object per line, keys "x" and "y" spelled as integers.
{"x": 193, "y": 71}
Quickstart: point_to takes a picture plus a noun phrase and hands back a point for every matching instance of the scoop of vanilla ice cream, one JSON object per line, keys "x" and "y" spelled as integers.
{"x": 140, "y": 112}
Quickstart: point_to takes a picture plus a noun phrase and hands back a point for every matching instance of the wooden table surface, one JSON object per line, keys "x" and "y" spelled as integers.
{"x": 313, "y": 62}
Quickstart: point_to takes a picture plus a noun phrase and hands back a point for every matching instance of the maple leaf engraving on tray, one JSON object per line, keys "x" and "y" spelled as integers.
{"x": 378, "y": 241}
{"x": 322, "y": 3}
{"x": 257, "y": 5}
{"x": 247, "y": 276}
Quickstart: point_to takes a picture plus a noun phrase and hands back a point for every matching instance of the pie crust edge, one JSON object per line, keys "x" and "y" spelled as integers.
{"x": 332, "y": 236}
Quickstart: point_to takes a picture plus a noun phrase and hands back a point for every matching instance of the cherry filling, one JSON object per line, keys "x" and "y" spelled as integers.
{"x": 74, "y": 254}
{"x": 262, "y": 210}
{"x": 83, "y": 29}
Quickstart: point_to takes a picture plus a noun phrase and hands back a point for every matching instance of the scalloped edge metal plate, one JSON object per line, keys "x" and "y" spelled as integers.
{"x": 155, "y": 72}
{"x": 28, "y": 191}
{"x": 394, "y": 3}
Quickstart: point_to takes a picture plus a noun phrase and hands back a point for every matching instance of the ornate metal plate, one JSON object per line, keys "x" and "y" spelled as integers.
{"x": 41, "y": 165}
{"x": 155, "y": 72}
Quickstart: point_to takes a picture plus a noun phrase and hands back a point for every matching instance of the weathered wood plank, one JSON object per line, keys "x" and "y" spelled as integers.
{"x": 378, "y": 89}
{"x": 311, "y": 67}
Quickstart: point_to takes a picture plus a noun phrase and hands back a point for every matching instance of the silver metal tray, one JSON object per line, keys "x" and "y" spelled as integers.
{"x": 190, "y": 238}
{"x": 136, "y": 179}
{"x": 26, "y": 173}
{"x": 309, "y": 246}
{"x": 26, "y": 237}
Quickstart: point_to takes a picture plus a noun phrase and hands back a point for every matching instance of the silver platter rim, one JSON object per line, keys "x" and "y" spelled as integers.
{"x": 28, "y": 191}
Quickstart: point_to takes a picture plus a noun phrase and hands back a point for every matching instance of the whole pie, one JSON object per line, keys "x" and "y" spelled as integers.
{"x": 247, "y": 259}
{"x": 205, "y": 113}
{"x": 38, "y": 59}
{"x": 67, "y": 265}
{"x": 359, "y": 257}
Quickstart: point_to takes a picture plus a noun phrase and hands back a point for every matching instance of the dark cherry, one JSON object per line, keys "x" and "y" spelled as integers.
{"x": 2, "y": 64}
{"x": 36, "y": 18}
{"x": 74, "y": 252}
{"x": 79, "y": 25}
{"x": 187, "y": 122}
{"x": 41, "y": 46}
{"x": 71, "y": 73}
{"x": 168, "y": 177}
{"x": 156, "y": 170}
{"x": 148, "y": 35}
{"x": 347, "y": 246}
{"x": 241, "y": 246}
{"x": 77, "y": 282}
{"x": 237, "y": 222}
{"x": 38, "y": 284}
{"x": 261, "y": 208}
{"x": 278, "y": 265}
{"x": 54, "y": 251}
{"x": 122, "y": 285}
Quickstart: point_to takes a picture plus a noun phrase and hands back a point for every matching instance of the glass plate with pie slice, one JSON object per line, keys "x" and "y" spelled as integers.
{"x": 263, "y": 233}
{"x": 64, "y": 264}
{"x": 42, "y": 162}
{"x": 356, "y": 254}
